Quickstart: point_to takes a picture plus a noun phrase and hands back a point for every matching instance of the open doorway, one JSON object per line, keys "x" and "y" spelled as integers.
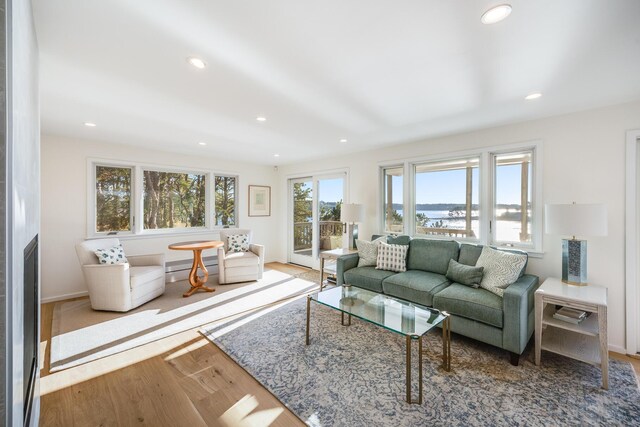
{"x": 315, "y": 204}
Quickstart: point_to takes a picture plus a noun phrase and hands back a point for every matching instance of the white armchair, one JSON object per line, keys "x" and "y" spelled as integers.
{"x": 237, "y": 267}
{"x": 120, "y": 287}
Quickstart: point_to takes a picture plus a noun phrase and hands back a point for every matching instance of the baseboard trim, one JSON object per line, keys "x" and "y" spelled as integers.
{"x": 64, "y": 297}
{"x": 617, "y": 349}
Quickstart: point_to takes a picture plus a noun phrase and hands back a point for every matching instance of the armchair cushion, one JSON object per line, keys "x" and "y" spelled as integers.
{"x": 241, "y": 259}
{"x": 140, "y": 275}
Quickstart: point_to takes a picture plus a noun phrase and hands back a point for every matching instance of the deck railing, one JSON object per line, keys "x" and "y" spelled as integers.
{"x": 303, "y": 232}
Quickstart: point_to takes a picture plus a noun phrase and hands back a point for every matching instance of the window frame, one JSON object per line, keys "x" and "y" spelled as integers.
{"x": 486, "y": 190}
{"x": 137, "y": 199}
{"x": 414, "y": 167}
{"x": 381, "y": 204}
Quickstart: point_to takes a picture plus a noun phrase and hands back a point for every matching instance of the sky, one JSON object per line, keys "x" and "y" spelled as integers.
{"x": 439, "y": 187}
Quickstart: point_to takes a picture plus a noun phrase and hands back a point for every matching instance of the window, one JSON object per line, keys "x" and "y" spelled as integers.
{"x": 446, "y": 198}
{"x": 225, "y": 201}
{"x": 393, "y": 207}
{"x": 129, "y": 198}
{"x": 112, "y": 199}
{"x": 489, "y": 196}
{"x": 173, "y": 200}
{"x": 512, "y": 201}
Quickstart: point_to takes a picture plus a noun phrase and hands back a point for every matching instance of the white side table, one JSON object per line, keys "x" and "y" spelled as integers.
{"x": 332, "y": 254}
{"x": 586, "y": 341}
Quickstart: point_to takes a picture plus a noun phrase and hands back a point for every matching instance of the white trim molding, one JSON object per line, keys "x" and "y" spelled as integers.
{"x": 631, "y": 242}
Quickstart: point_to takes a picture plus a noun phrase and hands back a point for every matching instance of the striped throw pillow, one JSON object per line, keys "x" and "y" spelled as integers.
{"x": 392, "y": 257}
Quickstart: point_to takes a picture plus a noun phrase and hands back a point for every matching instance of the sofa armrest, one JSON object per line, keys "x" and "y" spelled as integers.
{"x": 143, "y": 260}
{"x": 344, "y": 263}
{"x": 518, "y": 309}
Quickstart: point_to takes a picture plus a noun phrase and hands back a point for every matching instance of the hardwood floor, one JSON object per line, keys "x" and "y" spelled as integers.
{"x": 181, "y": 380}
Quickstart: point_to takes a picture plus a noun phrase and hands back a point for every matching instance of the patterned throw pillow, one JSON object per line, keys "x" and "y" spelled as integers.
{"x": 238, "y": 243}
{"x": 500, "y": 269}
{"x": 392, "y": 257}
{"x": 110, "y": 256}
{"x": 368, "y": 251}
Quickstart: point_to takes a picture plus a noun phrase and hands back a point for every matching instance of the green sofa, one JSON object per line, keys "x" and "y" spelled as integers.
{"x": 506, "y": 322}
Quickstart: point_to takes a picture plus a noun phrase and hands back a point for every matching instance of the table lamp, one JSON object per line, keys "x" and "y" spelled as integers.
{"x": 350, "y": 214}
{"x": 575, "y": 220}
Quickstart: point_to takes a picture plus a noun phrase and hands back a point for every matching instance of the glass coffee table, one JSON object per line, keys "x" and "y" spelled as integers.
{"x": 396, "y": 315}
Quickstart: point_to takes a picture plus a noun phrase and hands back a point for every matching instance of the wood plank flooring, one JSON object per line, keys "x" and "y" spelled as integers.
{"x": 182, "y": 380}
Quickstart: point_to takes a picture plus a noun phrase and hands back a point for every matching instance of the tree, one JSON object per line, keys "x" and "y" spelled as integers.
{"x": 113, "y": 199}
{"x": 225, "y": 200}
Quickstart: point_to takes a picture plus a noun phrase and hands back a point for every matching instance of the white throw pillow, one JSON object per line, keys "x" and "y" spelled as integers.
{"x": 500, "y": 269}
{"x": 238, "y": 243}
{"x": 368, "y": 251}
{"x": 110, "y": 256}
{"x": 392, "y": 257}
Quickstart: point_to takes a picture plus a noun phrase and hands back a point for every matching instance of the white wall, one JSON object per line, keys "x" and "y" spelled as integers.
{"x": 64, "y": 205}
{"x": 584, "y": 161}
{"x": 23, "y": 214}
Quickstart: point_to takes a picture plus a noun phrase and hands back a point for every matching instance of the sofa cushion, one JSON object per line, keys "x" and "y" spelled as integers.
{"x": 142, "y": 275}
{"x": 401, "y": 239}
{"x": 241, "y": 259}
{"x": 366, "y": 277}
{"x": 469, "y": 255}
{"x": 464, "y": 274}
{"x": 431, "y": 255}
{"x": 415, "y": 286}
{"x": 476, "y": 304}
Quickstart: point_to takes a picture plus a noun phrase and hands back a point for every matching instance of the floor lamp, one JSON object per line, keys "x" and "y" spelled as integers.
{"x": 575, "y": 220}
{"x": 350, "y": 214}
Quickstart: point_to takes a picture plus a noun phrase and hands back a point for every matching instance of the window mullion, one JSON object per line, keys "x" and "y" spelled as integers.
{"x": 138, "y": 203}
{"x": 487, "y": 211}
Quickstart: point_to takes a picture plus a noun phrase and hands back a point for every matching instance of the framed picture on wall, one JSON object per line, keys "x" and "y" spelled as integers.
{"x": 259, "y": 200}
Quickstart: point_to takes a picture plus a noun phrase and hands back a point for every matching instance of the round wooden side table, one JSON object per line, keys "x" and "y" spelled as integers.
{"x": 197, "y": 247}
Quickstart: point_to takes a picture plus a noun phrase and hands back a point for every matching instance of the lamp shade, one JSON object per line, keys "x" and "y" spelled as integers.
{"x": 576, "y": 220}
{"x": 351, "y": 213}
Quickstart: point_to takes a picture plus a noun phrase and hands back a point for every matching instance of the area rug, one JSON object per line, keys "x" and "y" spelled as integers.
{"x": 81, "y": 334}
{"x": 355, "y": 376}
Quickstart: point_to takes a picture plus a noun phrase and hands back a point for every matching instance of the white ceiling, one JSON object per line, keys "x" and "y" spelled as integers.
{"x": 375, "y": 72}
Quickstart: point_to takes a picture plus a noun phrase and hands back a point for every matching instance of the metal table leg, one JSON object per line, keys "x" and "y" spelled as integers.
{"x": 446, "y": 343}
{"x": 409, "y": 339}
{"x": 308, "y": 318}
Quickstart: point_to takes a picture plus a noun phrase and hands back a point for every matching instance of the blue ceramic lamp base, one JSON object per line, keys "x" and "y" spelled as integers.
{"x": 574, "y": 262}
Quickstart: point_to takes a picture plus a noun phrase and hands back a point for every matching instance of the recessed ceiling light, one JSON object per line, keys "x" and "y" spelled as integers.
{"x": 343, "y": 140}
{"x": 496, "y": 14}
{"x": 261, "y": 119}
{"x": 533, "y": 96}
{"x": 90, "y": 124}
{"x": 196, "y": 62}
{"x": 276, "y": 155}
{"x": 202, "y": 143}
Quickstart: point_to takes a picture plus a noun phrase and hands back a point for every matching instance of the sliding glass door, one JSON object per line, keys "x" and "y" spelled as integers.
{"x": 314, "y": 204}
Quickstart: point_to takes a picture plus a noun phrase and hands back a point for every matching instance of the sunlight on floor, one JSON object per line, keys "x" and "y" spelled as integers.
{"x": 239, "y": 415}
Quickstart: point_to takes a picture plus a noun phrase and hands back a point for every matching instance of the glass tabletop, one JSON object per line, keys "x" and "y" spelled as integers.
{"x": 391, "y": 313}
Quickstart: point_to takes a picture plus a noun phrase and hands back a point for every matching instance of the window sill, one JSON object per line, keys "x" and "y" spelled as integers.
{"x": 159, "y": 235}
